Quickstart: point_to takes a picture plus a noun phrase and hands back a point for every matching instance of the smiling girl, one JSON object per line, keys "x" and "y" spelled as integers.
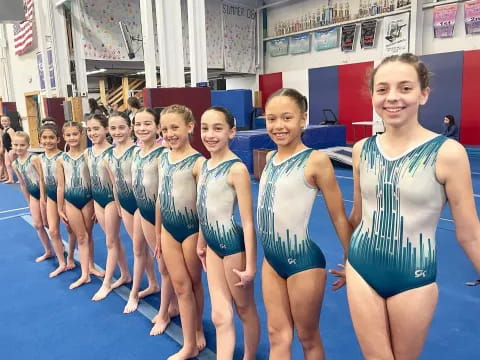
{"x": 105, "y": 208}
{"x": 402, "y": 180}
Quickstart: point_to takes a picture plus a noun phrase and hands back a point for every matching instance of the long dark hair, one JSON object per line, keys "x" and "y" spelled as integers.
{"x": 451, "y": 120}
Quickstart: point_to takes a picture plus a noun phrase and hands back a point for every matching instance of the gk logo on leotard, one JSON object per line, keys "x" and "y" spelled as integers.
{"x": 223, "y": 246}
{"x": 292, "y": 261}
{"x": 420, "y": 273}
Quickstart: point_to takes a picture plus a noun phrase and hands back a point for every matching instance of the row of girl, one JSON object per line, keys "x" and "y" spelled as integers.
{"x": 180, "y": 206}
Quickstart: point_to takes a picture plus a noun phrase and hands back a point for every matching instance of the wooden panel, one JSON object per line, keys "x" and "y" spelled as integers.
{"x": 103, "y": 95}
{"x": 259, "y": 161}
{"x": 32, "y": 120}
{"x": 125, "y": 91}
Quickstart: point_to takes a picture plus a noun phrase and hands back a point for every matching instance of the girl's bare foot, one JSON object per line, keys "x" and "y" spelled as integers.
{"x": 201, "y": 342}
{"x": 80, "y": 282}
{"x": 184, "y": 354}
{"x": 151, "y": 289}
{"x": 45, "y": 256}
{"x": 103, "y": 292}
{"x": 70, "y": 264}
{"x": 132, "y": 304}
{"x": 173, "y": 308}
{"x": 124, "y": 279}
{"x": 96, "y": 272}
{"x": 61, "y": 268}
{"x": 159, "y": 326}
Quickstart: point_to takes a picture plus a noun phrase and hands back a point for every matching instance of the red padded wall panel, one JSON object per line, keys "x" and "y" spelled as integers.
{"x": 197, "y": 99}
{"x": 354, "y": 103}
{"x": 54, "y": 108}
{"x": 470, "y": 124}
{"x": 268, "y": 84}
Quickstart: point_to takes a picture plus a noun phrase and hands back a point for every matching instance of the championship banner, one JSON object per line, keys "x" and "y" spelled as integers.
{"x": 278, "y": 47}
{"x": 51, "y": 71}
{"x": 348, "y": 37}
{"x": 299, "y": 44}
{"x": 41, "y": 74}
{"x": 444, "y": 20}
{"x": 395, "y": 34}
{"x": 325, "y": 39}
{"x": 367, "y": 38}
{"x": 472, "y": 17}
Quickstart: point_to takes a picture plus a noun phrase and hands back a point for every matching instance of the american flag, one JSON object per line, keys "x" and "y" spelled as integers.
{"x": 23, "y": 32}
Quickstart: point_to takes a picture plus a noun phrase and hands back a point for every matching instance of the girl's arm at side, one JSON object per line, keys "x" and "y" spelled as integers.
{"x": 356, "y": 214}
{"x": 114, "y": 185}
{"x": 41, "y": 181}
{"x": 22, "y": 184}
{"x": 239, "y": 178}
{"x": 158, "y": 217}
{"x": 453, "y": 170}
{"x": 320, "y": 170}
{"x": 61, "y": 191}
{"x": 202, "y": 249}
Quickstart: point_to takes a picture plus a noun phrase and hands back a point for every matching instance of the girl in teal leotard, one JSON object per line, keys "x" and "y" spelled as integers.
{"x": 402, "y": 180}
{"x": 145, "y": 188}
{"x": 120, "y": 169}
{"x": 74, "y": 199}
{"x": 227, "y": 249}
{"x": 293, "y": 272}
{"x": 177, "y": 223}
{"x": 27, "y": 167}
{"x": 106, "y": 210}
{"x": 48, "y": 178}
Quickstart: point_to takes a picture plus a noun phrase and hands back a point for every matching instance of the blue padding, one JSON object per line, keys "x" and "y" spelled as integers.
{"x": 446, "y": 90}
{"x": 259, "y": 122}
{"x": 316, "y": 136}
{"x": 323, "y": 92}
{"x": 239, "y": 102}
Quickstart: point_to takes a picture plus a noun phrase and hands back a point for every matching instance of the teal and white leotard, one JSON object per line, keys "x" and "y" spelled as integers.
{"x": 49, "y": 168}
{"x": 178, "y": 196}
{"x": 285, "y": 201}
{"x": 78, "y": 190}
{"x": 102, "y": 188}
{"x": 121, "y": 168}
{"x": 215, "y": 203}
{"x": 393, "y": 247}
{"x": 30, "y": 175}
{"x": 145, "y": 182}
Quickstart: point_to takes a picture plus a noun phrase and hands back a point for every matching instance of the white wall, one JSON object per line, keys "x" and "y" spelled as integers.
{"x": 244, "y": 82}
{"x": 24, "y": 75}
{"x": 459, "y": 42}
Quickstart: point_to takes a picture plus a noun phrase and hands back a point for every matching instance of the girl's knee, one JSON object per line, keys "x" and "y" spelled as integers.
{"x": 222, "y": 317}
{"x": 309, "y": 338}
{"x": 38, "y": 225}
{"x": 54, "y": 233}
{"x": 82, "y": 239}
{"x": 280, "y": 336}
{"x": 244, "y": 310}
{"x": 183, "y": 288}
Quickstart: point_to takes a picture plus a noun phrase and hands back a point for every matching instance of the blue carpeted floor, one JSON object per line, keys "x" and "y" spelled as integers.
{"x": 41, "y": 319}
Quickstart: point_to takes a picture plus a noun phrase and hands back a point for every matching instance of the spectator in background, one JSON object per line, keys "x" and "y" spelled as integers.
{"x": 450, "y": 129}
{"x": 133, "y": 105}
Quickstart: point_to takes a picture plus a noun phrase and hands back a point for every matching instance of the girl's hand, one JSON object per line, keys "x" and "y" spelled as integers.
{"x": 246, "y": 277}
{"x": 63, "y": 216}
{"x": 202, "y": 255}
{"x": 340, "y": 273}
{"x": 94, "y": 218}
{"x": 158, "y": 249}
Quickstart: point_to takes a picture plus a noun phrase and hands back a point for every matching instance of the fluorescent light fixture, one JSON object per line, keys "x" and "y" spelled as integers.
{"x": 140, "y": 73}
{"x": 61, "y": 2}
{"x": 96, "y": 71}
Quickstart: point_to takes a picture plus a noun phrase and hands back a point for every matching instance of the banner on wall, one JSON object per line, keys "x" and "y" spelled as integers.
{"x": 51, "y": 70}
{"x": 299, "y": 44}
{"x": 472, "y": 17}
{"x": 444, "y": 20}
{"x": 348, "y": 37}
{"x": 239, "y": 35}
{"x": 41, "y": 74}
{"x": 102, "y": 39}
{"x": 367, "y": 38}
{"x": 395, "y": 34}
{"x": 325, "y": 39}
{"x": 278, "y": 47}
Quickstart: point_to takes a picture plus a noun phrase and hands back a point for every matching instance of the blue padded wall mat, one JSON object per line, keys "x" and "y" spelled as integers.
{"x": 239, "y": 102}
{"x": 446, "y": 90}
{"x": 323, "y": 92}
